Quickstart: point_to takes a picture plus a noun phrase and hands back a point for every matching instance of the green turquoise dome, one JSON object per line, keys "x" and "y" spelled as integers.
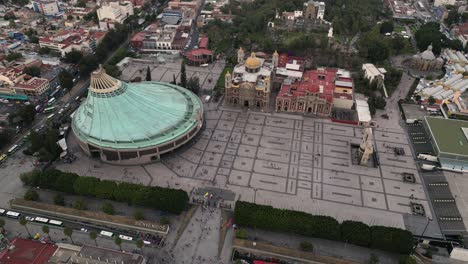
{"x": 132, "y": 116}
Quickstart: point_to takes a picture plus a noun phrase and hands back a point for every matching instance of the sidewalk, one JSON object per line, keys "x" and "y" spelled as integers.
{"x": 324, "y": 247}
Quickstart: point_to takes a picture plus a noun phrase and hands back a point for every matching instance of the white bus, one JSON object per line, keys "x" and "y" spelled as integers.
{"x": 51, "y": 101}
{"x": 41, "y": 220}
{"x": 50, "y": 116}
{"x": 13, "y": 149}
{"x": 106, "y": 233}
{"x": 146, "y": 242}
{"x": 2, "y": 211}
{"x": 126, "y": 237}
{"x": 55, "y": 222}
{"x": 428, "y": 157}
{"x": 13, "y": 214}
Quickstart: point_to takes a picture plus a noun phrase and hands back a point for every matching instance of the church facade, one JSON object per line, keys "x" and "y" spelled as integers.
{"x": 249, "y": 85}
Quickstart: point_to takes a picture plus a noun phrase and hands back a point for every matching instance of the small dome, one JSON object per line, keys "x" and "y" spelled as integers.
{"x": 253, "y": 62}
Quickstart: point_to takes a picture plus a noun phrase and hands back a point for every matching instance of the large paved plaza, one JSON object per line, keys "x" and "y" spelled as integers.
{"x": 286, "y": 161}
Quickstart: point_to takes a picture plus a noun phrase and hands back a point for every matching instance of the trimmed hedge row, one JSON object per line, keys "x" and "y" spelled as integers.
{"x": 281, "y": 220}
{"x": 165, "y": 199}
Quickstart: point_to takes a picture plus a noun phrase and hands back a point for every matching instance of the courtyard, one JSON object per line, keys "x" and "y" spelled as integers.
{"x": 170, "y": 69}
{"x": 286, "y": 161}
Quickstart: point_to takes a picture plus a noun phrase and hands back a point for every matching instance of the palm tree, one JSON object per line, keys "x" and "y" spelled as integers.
{"x": 2, "y": 223}
{"x": 118, "y": 242}
{"x": 46, "y": 230}
{"x": 68, "y": 232}
{"x": 24, "y": 223}
{"x": 139, "y": 243}
{"x": 93, "y": 236}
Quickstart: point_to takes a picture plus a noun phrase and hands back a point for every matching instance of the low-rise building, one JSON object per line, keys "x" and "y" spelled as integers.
{"x": 371, "y": 72}
{"x": 450, "y": 140}
{"x": 160, "y": 39}
{"x": 25, "y": 251}
{"x": 34, "y": 88}
{"x": 71, "y": 254}
{"x": 317, "y": 92}
{"x": 66, "y": 40}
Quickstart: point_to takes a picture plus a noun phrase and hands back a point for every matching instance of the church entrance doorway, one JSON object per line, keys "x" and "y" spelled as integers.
{"x": 246, "y": 103}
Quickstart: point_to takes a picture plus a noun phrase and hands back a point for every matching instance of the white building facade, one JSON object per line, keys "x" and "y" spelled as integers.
{"x": 115, "y": 11}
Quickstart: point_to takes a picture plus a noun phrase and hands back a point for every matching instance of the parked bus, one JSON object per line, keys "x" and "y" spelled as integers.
{"x": 106, "y": 233}
{"x": 50, "y": 116}
{"x": 126, "y": 237}
{"x": 428, "y": 157}
{"x": 13, "y": 149}
{"x": 41, "y": 220}
{"x": 55, "y": 222}
{"x": 49, "y": 109}
{"x": 51, "y": 101}
{"x": 13, "y": 214}
{"x": 427, "y": 167}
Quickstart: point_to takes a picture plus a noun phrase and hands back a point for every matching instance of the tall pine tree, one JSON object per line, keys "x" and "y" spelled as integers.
{"x": 148, "y": 74}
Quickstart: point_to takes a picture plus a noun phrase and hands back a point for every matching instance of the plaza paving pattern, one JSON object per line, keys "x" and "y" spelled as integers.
{"x": 302, "y": 164}
{"x": 293, "y": 162}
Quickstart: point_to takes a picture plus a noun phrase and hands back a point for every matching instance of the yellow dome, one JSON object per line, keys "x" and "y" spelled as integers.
{"x": 252, "y": 61}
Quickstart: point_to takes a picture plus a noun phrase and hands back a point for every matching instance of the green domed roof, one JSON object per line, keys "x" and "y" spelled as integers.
{"x": 123, "y": 115}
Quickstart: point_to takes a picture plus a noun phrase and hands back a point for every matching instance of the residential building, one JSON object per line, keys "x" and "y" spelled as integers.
{"x": 250, "y": 82}
{"x": 317, "y": 92}
{"x": 114, "y": 12}
{"x": 66, "y": 40}
{"x": 46, "y": 7}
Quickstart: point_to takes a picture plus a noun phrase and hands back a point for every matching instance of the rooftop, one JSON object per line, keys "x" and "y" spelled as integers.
{"x": 449, "y": 135}
{"x": 25, "y": 251}
{"x": 134, "y": 115}
{"x": 31, "y": 84}
{"x": 111, "y": 256}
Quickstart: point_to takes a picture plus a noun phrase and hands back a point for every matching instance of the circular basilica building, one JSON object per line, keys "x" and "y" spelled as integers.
{"x": 134, "y": 123}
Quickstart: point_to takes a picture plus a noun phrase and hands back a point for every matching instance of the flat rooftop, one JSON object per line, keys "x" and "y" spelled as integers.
{"x": 25, "y": 251}
{"x": 111, "y": 256}
{"x": 448, "y": 135}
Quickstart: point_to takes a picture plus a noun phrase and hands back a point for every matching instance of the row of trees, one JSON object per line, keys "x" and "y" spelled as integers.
{"x": 45, "y": 145}
{"x": 165, "y": 199}
{"x": 109, "y": 43}
{"x": 280, "y": 220}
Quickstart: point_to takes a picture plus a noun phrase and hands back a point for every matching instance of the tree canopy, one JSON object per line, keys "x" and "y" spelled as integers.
{"x": 429, "y": 34}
